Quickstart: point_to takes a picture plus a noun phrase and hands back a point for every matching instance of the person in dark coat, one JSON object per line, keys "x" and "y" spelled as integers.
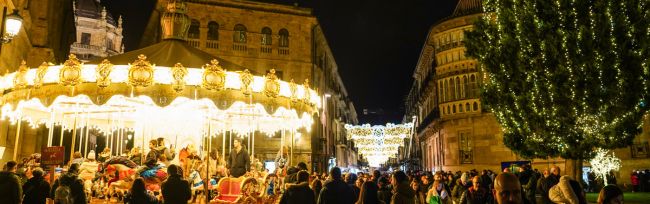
{"x": 368, "y": 193}
{"x": 175, "y": 189}
{"x": 300, "y": 192}
{"x": 384, "y": 193}
{"x": 72, "y": 180}
{"x": 238, "y": 162}
{"x": 36, "y": 189}
{"x": 138, "y": 194}
{"x": 544, "y": 185}
{"x": 402, "y": 192}
{"x": 351, "y": 180}
{"x": 476, "y": 194}
{"x": 335, "y": 190}
{"x": 10, "y": 188}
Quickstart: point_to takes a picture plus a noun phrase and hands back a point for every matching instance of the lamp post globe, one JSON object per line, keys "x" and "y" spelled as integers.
{"x": 13, "y": 23}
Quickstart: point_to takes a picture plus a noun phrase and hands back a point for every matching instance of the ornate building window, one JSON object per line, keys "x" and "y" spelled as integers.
{"x": 452, "y": 89}
{"x": 465, "y": 146}
{"x": 85, "y": 38}
{"x": 193, "y": 32}
{"x": 266, "y": 36}
{"x": 284, "y": 38}
{"x": 458, "y": 88}
{"x": 446, "y": 91}
{"x": 473, "y": 86}
{"x": 213, "y": 30}
{"x": 465, "y": 86}
{"x": 239, "y": 35}
{"x": 440, "y": 89}
{"x": 109, "y": 44}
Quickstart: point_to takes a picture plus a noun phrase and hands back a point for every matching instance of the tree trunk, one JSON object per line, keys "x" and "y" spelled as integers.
{"x": 573, "y": 169}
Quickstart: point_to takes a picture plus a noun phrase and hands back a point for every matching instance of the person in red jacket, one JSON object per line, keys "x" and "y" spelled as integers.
{"x": 634, "y": 178}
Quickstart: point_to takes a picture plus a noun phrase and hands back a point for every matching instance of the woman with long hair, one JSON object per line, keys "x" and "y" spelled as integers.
{"x": 368, "y": 193}
{"x": 610, "y": 194}
{"x": 138, "y": 194}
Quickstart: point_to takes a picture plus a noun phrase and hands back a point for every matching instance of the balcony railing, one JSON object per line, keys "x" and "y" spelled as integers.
{"x": 212, "y": 44}
{"x": 193, "y": 42}
{"x": 450, "y": 46}
{"x": 84, "y": 46}
{"x": 266, "y": 49}
{"x": 283, "y": 51}
{"x": 239, "y": 47}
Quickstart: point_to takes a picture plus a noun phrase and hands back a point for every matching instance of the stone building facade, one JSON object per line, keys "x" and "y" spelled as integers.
{"x": 99, "y": 35}
{"x": 42, "y": 38}
{"x": 453, "y": 131}
{"x": 263, "y": 36}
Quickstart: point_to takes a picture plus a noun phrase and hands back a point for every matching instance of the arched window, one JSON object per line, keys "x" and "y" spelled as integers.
{"x": 194, "y": 29}
{"x": 467, "y": 106}
{"x": 266, "y": 36}
{"x": 239, "y": 35}
{"x": 465, "y": 86}
{"x": 284, "y": 38}
{"x": 440, "y": 91}
{"x": 213, "y": 30}
{"x": 445, "y": 95}
{"x": 452, "y": 89}
{"x": 475, "y": 106}
{"x": 453, "y": 109}
{"x": 473, "y": 87}
{"x": 458, "y": 92}
{"x": 460, "y": 108}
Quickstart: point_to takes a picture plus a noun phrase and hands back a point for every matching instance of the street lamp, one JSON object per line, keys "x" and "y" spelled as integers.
{"x": 11, "y": 25}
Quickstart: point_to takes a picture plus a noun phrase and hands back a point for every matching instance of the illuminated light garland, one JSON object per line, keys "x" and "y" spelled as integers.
{"x": 378, "y": 143}
{"x": 162, "y": 75}
{"x": 603, "y": 163}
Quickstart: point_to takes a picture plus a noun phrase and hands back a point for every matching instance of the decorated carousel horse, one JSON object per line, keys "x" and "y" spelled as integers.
{"x": 120, "y": 178}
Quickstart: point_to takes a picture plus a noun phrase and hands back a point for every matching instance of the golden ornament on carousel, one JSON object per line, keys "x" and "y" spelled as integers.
{"x": 40, "y": 74}
{"x": 70, "y": 74}
{"x": 246, "y": 80}
{"x": 178, "y": 73}
{"x": 293, "y": 88}
{"x": 19, "y": 80}
{"x": 271, "y": 84}
{"x": 307, "y": 96}
{"x": 214, "y": 77}
{"x": 104, "y": 70}
{"x": 141, "y": 72}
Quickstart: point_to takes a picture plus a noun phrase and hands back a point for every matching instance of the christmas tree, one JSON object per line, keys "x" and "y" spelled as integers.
{"x": 564, "y": 77}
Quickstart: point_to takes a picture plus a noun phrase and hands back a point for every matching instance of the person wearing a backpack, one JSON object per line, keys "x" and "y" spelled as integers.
{"x": 36, "y": 189}
{"x": 69, "y": 188}
{"x": 175, "y": 190}
{"x": 10, "y": 186}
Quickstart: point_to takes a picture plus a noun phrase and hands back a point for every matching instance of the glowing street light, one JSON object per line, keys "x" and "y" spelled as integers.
{"x": 12, "y": 25}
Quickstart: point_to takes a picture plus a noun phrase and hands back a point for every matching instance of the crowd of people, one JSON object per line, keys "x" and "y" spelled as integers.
{"x": 163, "y": 175}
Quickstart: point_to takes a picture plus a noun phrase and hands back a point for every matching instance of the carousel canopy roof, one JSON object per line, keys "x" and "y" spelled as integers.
{"x": 168, "y": 89}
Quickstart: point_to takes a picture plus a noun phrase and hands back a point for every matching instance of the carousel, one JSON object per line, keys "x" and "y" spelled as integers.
{"x": 169, "y": 90}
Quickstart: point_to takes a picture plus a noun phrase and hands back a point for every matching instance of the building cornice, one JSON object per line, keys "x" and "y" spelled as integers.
{"x": 259, "y": 6}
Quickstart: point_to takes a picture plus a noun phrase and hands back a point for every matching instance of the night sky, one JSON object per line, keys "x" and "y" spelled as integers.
{"x": 376, "y": 44}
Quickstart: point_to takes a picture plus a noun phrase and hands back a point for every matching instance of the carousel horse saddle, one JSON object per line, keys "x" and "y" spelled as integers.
{"x": 229, "y": 189}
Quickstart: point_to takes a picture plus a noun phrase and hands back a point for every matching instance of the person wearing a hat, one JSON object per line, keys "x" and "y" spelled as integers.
{"x": 87, "y": 171}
